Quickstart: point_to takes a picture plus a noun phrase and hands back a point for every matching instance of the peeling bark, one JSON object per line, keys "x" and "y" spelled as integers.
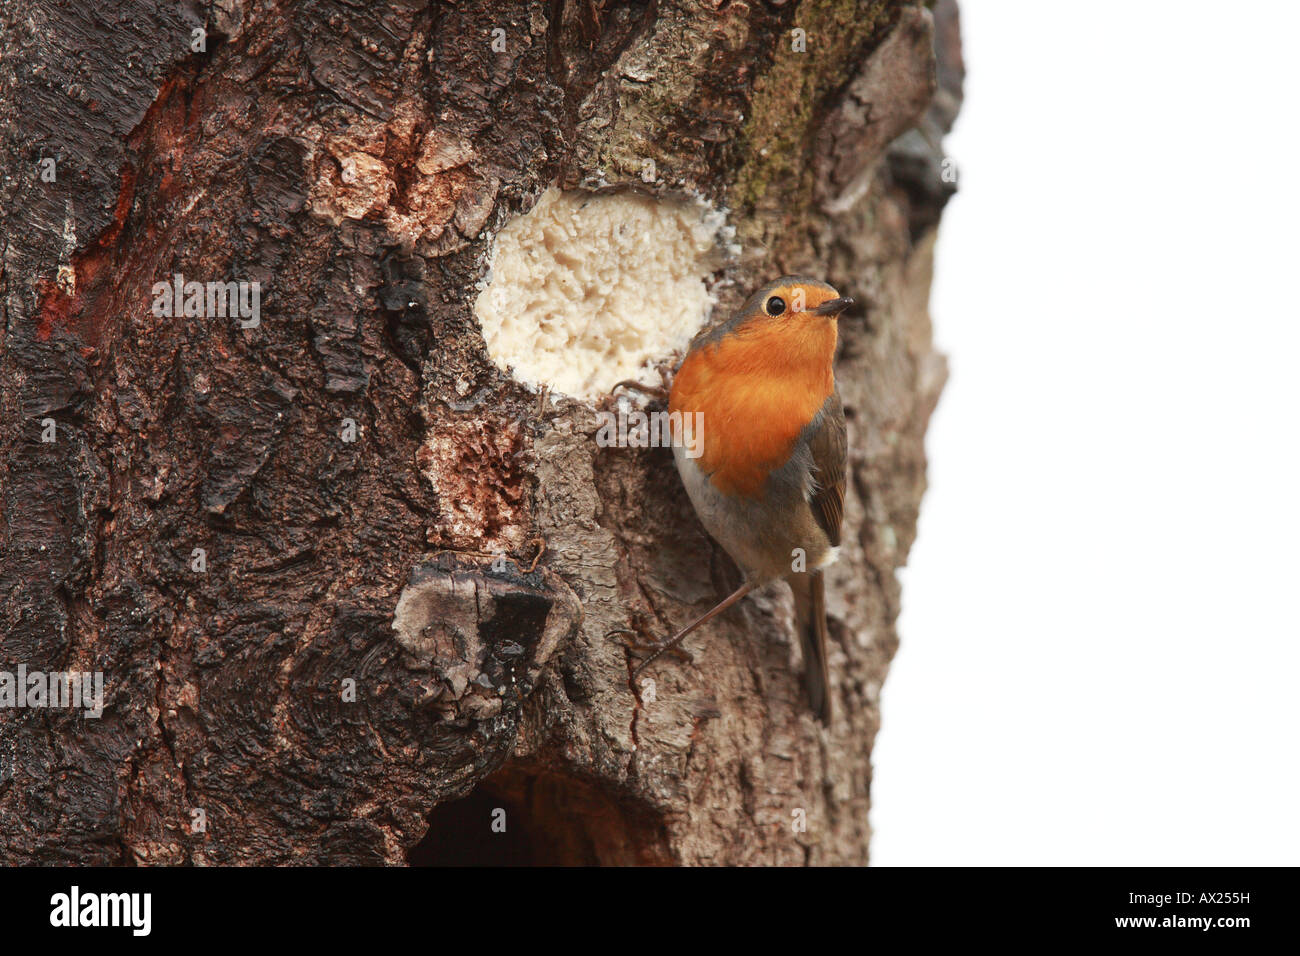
{"x": 469, "y": 563}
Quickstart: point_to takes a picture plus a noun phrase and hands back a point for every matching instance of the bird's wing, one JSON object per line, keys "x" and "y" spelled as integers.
{"x": 828, "y": 445}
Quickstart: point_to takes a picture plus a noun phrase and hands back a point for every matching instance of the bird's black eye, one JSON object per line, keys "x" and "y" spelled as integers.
{"x": 775, "y": 305}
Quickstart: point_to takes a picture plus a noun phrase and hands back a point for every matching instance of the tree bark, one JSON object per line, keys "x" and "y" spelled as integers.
{"x": 311, "y": 649}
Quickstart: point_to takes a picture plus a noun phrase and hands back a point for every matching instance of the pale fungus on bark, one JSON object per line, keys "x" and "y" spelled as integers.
{"x": 587, "y": 289}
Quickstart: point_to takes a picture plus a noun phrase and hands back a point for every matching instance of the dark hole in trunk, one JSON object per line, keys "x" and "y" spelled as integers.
{"x": 541, "y": 819}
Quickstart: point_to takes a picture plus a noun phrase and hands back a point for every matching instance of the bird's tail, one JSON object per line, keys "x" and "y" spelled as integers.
{"x": 810, "y": 620}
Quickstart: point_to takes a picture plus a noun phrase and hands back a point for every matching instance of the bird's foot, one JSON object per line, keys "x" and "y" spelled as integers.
{"x": 657, "y": 392}
{"x": 643, "y": 646}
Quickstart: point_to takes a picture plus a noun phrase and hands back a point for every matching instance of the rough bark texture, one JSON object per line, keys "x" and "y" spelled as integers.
{"x": 357, "y": 160}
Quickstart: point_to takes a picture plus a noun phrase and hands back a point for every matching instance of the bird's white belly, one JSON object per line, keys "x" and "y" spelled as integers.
{"x": 763, "y": 536}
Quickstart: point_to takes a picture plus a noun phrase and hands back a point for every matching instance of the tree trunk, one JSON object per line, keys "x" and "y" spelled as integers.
{"x": 360, "y": 593}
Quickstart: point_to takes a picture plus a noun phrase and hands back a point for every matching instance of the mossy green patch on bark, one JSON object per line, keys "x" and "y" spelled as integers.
{"x": 788, "y": 98}
{"x": 665, "y": 92}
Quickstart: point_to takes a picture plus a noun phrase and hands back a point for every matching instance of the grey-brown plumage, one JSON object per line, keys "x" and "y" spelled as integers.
{"x": 828, "y": 445}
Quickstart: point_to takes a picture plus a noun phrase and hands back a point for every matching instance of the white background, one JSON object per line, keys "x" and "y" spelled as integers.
{"x": 1100, "y": 658}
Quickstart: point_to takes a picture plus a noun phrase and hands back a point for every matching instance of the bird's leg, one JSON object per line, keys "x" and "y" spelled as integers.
{"x": 676, "y": 639}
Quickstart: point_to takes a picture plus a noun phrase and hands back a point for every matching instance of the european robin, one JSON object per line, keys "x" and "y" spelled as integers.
{"x": 765, "y": 467}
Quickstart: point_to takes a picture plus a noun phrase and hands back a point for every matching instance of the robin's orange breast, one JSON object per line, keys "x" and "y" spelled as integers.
{"x": 756, "y": 389}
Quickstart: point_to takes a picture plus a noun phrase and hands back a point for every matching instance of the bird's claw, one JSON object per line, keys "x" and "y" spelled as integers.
{"x": 659, "y": 393}
{"x": 643, "y": 646}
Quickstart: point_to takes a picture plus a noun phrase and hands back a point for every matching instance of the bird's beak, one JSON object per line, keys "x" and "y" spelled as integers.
{"x": 832, "y": 306}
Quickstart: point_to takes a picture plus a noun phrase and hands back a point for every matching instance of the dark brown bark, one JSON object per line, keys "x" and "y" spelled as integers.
{"x": 357, "y": 161}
